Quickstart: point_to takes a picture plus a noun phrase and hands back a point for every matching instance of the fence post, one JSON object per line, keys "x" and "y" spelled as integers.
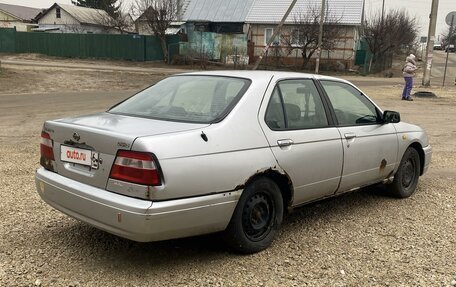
{"x": 169, "y": 51}
{"x": 266, "y": 58}
{"x": 145, "y": 48}
{"x": 235, "y": 57}
{"x": 296, "y": 60}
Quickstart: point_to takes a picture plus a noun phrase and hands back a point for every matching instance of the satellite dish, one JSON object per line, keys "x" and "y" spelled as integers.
{"x": 448, "y": 18}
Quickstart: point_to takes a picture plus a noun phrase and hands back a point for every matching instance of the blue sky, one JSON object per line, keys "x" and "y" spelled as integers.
{"x": 419, "y": 8}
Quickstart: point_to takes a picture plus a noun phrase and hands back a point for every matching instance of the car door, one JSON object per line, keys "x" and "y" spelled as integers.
{"x": 370, "y": 147}
{"x": 304, "y": 142}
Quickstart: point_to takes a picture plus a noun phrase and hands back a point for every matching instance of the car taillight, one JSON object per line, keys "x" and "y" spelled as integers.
{"x": 135, "y": 167}
{"x": 47, "y": 152}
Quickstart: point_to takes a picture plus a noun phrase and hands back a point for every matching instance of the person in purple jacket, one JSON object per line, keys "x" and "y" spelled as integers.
{"x": 408, "y": 71}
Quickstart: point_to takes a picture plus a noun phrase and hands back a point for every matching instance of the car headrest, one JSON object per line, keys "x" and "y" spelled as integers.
{"x": 293, "y": 112}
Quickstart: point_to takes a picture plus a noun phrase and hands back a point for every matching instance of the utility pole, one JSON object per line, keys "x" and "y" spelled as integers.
{"x": 383, "y": 9}
{"x": 274, "y": 35}
{"x": 320, "y": 36}
{"x": 430, "y": 43}
{"x": 450, "y": 36}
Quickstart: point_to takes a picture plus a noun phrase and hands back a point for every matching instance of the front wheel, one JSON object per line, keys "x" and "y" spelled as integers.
{"x": 406, "y": 177}
{"x": 257, "y": 217}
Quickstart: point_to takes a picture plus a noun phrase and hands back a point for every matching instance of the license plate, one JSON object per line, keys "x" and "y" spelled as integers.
{"x": 79, "y": 156}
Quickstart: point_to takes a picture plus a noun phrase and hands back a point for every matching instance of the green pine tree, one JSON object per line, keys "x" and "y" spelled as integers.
{"x": 107, "y": 5}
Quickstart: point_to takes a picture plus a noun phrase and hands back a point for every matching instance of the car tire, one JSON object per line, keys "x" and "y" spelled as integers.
{"x": 256, "y": 218}
{"x": 407, "y": 175}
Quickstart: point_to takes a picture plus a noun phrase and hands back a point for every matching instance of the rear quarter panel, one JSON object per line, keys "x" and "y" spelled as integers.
{"x": 236, "y": 150}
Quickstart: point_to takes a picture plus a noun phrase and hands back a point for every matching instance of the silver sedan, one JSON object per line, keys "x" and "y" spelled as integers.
{"x": 227, "y": 151}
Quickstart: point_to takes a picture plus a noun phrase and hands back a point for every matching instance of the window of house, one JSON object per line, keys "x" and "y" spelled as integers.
{"x": 57, "y": 13}
{"x": 295, "y": 39}
{"x": 268, "y": 34}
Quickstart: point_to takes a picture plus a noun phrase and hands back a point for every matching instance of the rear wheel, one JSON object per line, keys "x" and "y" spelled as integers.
{"x": 257, "y": 217}
{"x": 406, "y": 177}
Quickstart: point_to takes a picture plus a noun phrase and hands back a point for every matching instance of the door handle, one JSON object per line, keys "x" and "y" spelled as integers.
{"x": 284, "y": 143}
{"x": 350, "y": 136}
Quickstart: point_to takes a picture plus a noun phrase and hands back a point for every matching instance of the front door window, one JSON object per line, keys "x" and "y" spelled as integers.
{"x": 350, "y": 105}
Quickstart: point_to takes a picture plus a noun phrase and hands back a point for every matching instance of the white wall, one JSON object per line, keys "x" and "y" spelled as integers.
{"x": 50, "y": 18}
{"x": 68, "y": 24}
{"x": 81, "y": 29}
{"x": 20, "y": 27}
{"x": 344, "y": 50}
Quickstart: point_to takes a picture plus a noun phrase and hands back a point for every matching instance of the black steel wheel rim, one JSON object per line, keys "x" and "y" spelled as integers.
{"x": 408, "y": 173}
{"x": 257, "y": 216}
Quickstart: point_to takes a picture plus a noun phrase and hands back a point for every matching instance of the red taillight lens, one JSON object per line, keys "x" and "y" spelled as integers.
{"x": 135, "y": 167}
{"x": 47, "y": 152}
{"x": 46, "y": 146}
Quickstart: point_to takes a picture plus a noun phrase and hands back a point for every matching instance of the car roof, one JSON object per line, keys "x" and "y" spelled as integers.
{"x": 257, "y": 75}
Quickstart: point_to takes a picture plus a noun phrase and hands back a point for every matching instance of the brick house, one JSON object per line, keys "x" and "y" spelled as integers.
{"x": 264, "y": 16}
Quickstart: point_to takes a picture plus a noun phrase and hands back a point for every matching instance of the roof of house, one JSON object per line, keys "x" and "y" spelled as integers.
{"x": 348, "y": 12}
{"x": 83, "y": 15}
{"x": 21, "y": 12}
{"x": 217, "y": 10}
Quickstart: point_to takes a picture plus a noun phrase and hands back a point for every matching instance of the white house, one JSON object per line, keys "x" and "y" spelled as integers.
{"x": 18, "y": 17}
{"x": 62, "y": 18}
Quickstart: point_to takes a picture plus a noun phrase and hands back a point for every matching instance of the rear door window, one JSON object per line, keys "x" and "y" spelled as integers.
{"x": 295, "y": 104}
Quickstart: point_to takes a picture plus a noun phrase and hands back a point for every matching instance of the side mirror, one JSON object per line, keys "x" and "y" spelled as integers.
{"x": 391, "y": 117}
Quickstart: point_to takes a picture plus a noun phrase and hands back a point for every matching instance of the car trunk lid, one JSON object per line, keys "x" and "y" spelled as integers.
{"x": 85, "y": 147}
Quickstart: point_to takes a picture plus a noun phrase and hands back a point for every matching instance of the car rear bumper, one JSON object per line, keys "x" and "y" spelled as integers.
{"x": 427, "y": 158}
{"x": 136, "y": 219}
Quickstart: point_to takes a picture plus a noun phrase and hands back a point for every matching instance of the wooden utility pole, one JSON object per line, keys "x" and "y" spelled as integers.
{"x": 430, "y": 43}
{"x": 276, "y": 32}
{"x": 320, "y": 36}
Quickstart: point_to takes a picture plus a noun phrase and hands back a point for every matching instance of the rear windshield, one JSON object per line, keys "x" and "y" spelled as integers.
{"x": 199, "y": 99}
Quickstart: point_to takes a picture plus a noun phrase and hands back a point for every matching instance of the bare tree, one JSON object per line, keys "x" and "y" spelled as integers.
{"x": 74, "y": 28}
{"x": 118, "y": 20}
{"x": 304, "y": 34}
{"x": 158, "y": 14}
{"x": 386, "y": 34}
{"x": 109, "y": 14}
{"x": 449, "y": 37}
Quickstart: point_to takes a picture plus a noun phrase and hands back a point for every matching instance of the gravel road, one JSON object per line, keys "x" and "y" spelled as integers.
{"x": 358, "y": 239}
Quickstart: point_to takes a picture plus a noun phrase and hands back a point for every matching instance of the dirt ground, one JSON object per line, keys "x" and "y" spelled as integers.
{"x": 36, "y": 79}
{"x": 358, "y": 239}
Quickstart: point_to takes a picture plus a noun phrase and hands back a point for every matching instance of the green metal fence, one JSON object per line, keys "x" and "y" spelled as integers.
{"x": 105, "y": 46}
{"x": 8, "y": 40}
